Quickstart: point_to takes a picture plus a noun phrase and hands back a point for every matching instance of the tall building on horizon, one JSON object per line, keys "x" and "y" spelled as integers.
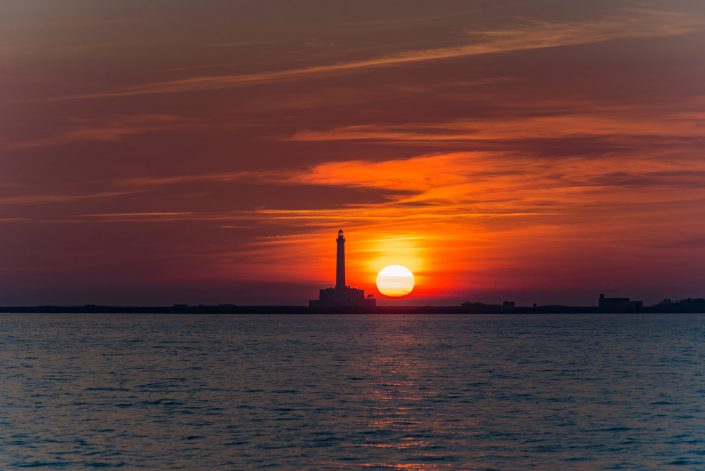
{"x": 341, "y": 296}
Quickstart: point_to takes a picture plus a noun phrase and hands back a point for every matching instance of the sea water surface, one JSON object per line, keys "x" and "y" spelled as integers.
{"x": 352, "y": 391}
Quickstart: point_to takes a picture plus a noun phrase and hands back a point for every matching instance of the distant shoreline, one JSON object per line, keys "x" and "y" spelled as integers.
{"x": 685, "y": 306}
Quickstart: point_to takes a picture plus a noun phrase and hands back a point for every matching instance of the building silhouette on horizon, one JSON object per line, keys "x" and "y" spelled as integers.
{"x": 341, "y": 295}
{"x": 619, "y": 304}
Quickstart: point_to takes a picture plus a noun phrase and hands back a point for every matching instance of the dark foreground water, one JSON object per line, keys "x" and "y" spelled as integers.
{"x": 352, "y": 392}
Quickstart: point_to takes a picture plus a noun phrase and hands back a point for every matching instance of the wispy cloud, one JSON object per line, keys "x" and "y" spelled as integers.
{"x": 182, "y": 179}
{"x": 144, "y": 216}
{"x": 605, "y": 123}
{"x": 109, "y": 129}
{"x": 527, "y": 35}
{"x": 61, "y": 198}
{"x": 11, "y": 220}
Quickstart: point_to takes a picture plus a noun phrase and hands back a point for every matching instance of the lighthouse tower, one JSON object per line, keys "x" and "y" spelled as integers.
{"x": 340, "y": 262}
{"x": 342, "y": 296}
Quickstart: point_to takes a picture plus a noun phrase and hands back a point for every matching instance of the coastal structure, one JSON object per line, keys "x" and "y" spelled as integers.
{"x": 341, "y": 295}
{"x": 619, "y": 304}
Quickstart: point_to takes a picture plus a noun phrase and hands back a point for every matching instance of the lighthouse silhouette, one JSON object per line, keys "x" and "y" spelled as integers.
{"x": 340, "y": 261}
{"x": 341, "y": 296}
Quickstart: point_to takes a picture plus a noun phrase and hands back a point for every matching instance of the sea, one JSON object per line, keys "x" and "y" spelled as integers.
{"x": 342, "y": 392}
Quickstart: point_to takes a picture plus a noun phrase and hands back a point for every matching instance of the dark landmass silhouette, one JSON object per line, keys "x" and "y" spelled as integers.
{"x": 343, "y": 299}
{"x": 689, "y": 305}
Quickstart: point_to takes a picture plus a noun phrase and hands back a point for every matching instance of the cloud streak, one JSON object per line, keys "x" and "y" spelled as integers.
{"x": 528, "y": 35}
{"x": 109, "y": 129}
{"x": 61, "y": 198}
{"x": 606, "y": 123}
{"x": 183, "y": 179}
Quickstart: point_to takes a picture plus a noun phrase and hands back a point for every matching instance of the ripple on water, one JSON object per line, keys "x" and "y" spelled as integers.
{"x": 352, "y": 392}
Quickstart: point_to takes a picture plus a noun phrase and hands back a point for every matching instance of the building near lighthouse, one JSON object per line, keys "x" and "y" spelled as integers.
{"x": 341, "y": 295}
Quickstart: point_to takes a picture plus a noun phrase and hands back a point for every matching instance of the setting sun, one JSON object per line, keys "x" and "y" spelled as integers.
{"x": 395, "y": 281}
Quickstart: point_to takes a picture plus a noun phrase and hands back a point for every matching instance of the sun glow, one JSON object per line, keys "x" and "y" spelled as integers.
{"x": 395, "y": 281}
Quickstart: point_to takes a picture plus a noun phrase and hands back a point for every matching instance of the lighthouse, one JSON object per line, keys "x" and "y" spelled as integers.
{"x": 340, "y": 261}
{"x": 341, "y": 296}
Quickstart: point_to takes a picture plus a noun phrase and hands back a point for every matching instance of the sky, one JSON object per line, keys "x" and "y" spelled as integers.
{"x": 208, "y": 151}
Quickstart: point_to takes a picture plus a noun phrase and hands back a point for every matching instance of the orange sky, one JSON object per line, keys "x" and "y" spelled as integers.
{"x": 153, "y": 153}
